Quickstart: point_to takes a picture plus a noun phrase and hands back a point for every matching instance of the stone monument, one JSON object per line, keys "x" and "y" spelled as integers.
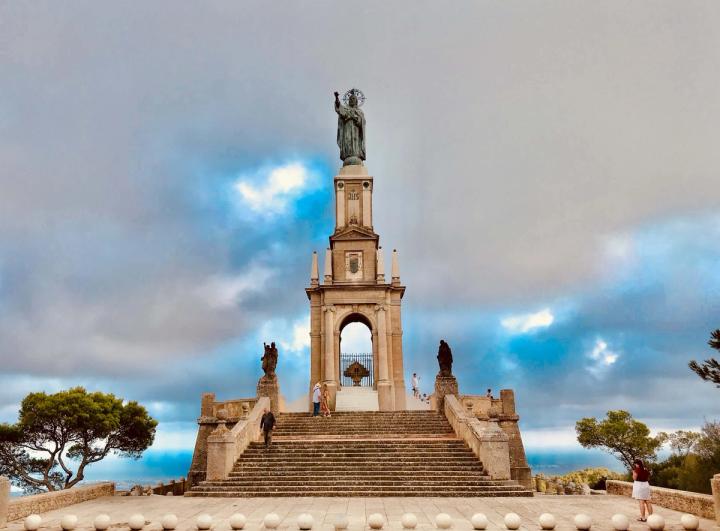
{"x": 351, "y": 127}
{"x": 268, "y": 383}
{"x": 353, "y": 287}
{"x": 445, "y": 382}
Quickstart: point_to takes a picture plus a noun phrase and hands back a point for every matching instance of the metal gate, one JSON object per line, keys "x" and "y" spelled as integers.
{"x": 365, "y": 359}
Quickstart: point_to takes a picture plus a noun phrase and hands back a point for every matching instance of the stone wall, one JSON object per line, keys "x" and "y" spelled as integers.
{"x": 715, "y": 484}
{"x": 49, "y": 501}
{"x": 4, "y": 500}
{"x": 678, "y": 500}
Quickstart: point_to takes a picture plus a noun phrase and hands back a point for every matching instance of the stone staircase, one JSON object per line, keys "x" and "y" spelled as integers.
{"x": 400, "y": 453}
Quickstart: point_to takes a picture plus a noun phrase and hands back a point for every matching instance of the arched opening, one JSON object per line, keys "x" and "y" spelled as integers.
{"x": 357, "y": 367}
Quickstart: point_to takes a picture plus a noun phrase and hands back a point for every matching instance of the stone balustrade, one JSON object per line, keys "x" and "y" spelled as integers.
{"x": 678, "y": 500}
{"x": 487, "y": 441}
{"x": 225, "y": 446}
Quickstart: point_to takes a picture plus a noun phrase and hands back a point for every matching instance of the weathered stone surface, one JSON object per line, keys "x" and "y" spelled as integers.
{"x": 487, "y": 441}
{"x": 49, "y": 501}
{"x": 444, "y": 385}
{"x": 361, "y": 454}
{"x": 715, "y": 483}
{"x": 235, "y": 410}
{"x": 679, "y": 500}
{"x": 4, "y": 500}
{"x": 355, "y": 510}
{"x": 225, "y": 446}
{"x": 268, "y": 386}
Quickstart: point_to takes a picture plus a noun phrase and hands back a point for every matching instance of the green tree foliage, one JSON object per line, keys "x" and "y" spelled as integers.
{"x": 682, "y": 442}
{"x": 692, "y": 470}
{"x": 620, "y": 435}
{"x": 58, "y": 435}
{"x": 709, "y": 370}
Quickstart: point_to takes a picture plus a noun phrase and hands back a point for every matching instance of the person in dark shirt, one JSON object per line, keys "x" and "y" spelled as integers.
{"x": 641, "y": 488}
{"x": 267, "y": 423}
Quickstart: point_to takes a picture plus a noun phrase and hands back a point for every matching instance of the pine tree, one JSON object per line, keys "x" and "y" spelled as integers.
{"x": 709, "y": 370}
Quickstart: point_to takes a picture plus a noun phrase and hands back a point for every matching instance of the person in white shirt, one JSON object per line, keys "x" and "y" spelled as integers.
{"x": 316, "y": 400}
{"x": 416, "y": 385}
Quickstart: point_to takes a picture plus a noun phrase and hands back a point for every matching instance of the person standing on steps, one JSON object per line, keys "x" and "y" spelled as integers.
{"x": 325, "y": 402}
{"x": 316, "y": 400}
{"x": 489, "y": 393}
{"x": 267, "y": 423}
{"x": 416, "y": 385}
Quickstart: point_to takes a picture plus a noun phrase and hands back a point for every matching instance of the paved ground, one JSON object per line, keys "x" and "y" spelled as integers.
{"x": 326, "y": 510}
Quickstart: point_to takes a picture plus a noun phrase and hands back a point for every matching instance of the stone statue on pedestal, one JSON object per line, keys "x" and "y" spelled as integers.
{"x": 351, "y": 127}
{"x": 268, "y": 383}
{"x": 269, "y": 359}
{"x": 445, "y": 359}
{"x": 445, "y": 382}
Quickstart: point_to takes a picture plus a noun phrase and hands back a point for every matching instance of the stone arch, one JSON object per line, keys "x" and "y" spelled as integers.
{"x": 355, "y": 314}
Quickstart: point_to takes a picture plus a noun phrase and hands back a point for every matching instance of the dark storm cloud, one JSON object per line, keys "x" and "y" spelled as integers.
{"x": 510, "y": 142}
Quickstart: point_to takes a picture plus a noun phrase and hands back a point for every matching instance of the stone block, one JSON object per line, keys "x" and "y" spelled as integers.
{"x": 444, "y": 385}
{"x": 4, "y": 500}
{"x": 715, "y": 484}
{"x": 268, "y": 386}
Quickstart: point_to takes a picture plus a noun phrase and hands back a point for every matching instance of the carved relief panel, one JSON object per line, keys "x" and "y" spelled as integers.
{"x": 353, "y": 265}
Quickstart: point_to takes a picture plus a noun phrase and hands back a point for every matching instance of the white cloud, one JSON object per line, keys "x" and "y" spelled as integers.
{"x": 300, "y": 337}
{"x": 291, "y": 337}
{"x": 227, "y": 291}
{"x": 602, "y": 357}
{"x": 530, "y": 321}
{"x": 281, "y": 184}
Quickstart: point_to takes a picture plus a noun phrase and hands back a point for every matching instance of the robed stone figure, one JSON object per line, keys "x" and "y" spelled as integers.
{"x": 445, "y": 359}
{"x": 270, "y": 359}
{"x": 350, "y": 131}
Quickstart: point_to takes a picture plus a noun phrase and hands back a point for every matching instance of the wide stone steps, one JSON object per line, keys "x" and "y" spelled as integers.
{"x": 333, "y": 490}
{"x": 408, "y": 453}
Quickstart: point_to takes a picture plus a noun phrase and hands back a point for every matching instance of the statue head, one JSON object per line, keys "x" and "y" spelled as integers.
{"x": 353, "y": 101}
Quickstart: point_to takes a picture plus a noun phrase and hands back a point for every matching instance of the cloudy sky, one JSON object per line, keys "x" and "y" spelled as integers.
{"x": 548, "y": 172}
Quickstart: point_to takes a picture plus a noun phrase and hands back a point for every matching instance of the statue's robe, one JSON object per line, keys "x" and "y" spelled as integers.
{"x": 350, "y": 132}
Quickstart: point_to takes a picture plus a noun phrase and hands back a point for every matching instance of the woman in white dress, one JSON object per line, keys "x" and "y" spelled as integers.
{"x": 641, "y": 489}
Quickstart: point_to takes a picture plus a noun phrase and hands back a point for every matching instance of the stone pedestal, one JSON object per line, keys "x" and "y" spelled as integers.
{"x": 385, "y": 396}
{"x": 4, "y": 500}
{"x": 268, "y": 386}
{"x": 715, "y": 484}
{"x": 444, "y": 385}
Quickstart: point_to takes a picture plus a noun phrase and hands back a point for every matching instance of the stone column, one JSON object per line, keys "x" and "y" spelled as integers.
{"x": 384, "y": 387}
{"x": 340, "y": 204}
{"x": 366, "y": 205}
{"x": 328, "y": 266}
{"x": 380, "y": 271}
{"x": 508, "y": 420}
{"x": 715, "y": 484}
{"x": 395, "y": 271}
{"x": 314, "y": 271}
{"x": 4, "y": 500}
{"x": 329, "y": 369}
